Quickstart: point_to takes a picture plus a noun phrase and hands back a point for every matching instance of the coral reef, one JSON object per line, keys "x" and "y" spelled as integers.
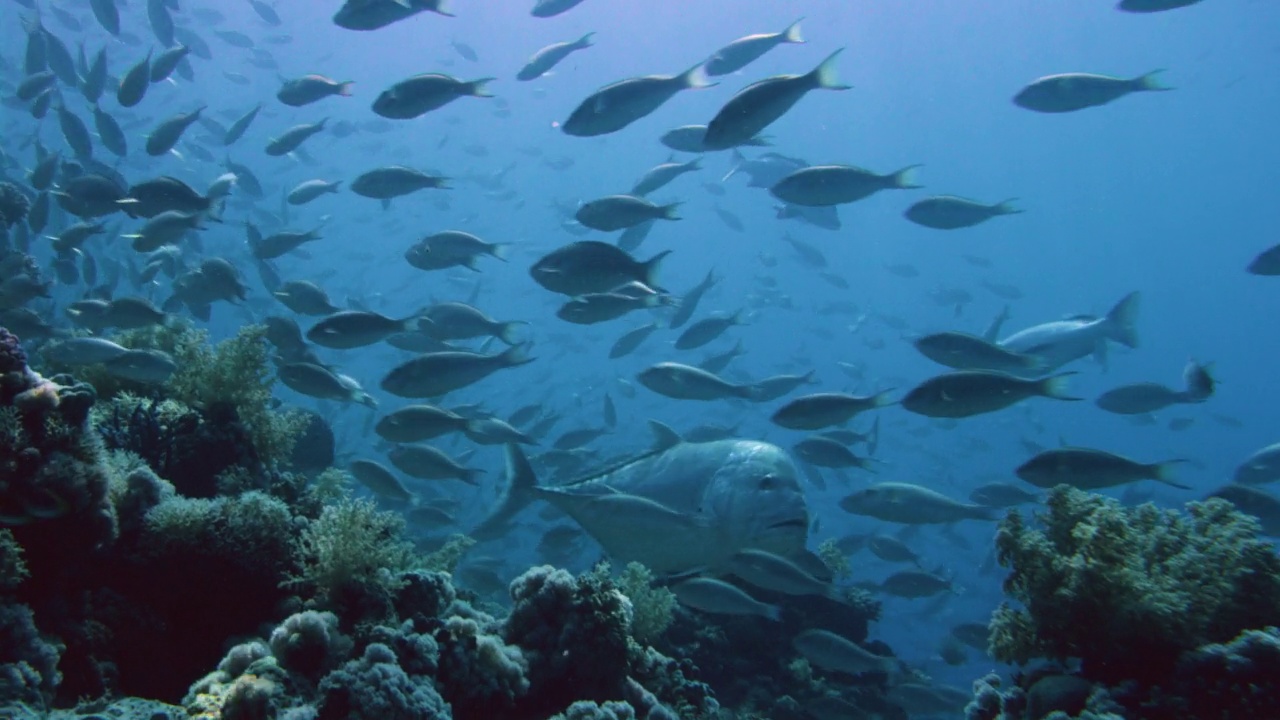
{"x": 574, "y": 632}
{"x": 28, "y": 662}
{"x": 738, "y": 655}
{"x": 194, "y": 448}
{"x": 1052, "y": 696}
{"x": 1135, "y": 613}
{"x": 1230, "y": 681}
{"x": 375, "y": 687}
{"x": 147, "y": 518}
{"x": 587, "y": 710}
{"x": 445, "y": 659}
{"x": 1128, "y": 590}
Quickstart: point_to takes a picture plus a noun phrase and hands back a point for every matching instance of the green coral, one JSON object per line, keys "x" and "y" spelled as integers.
{"x": 447, "y": 557}
{"x": 250, "y": 530}
{"x": 652, "y": 607}
{"x": 835, "y": 559}
{"x": 351, "y": 545}
{"x": 12, "y": 570}
{"x": 236, "y": 373}
{"x": 330, "y": 486}
{"x": 1126, "y": 590}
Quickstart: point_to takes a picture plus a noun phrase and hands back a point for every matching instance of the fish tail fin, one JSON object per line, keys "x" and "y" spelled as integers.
{"x": 905, "y": 179}
{"x": 367, "y": 400}
{"x": 696, "y": 77}
{"x": 981, "y": 512}
{"x": 1164, "y": 472}
{"x": 1055, "y": 386}
{"x": 417, "y": 323}
{"x": 516, "y": 355}
{"x": 1033, "y": 363}
{"x": 469, "y": 475}
{"x": 792, "y": 33}
{"x": 881, "y": 398}
{"x": 664, "y": 436}
{"x": 1150, "y": 82}
{"x": 747, "y": 392}
{"x": 873, "y": 437}
{"x": 441, "y": 7}
{"x": 507, "y": 331}
{"x": 651, "y": 267}
{"x": 585, "y": 40}
{"x": 336, "y": 187}
{"x": 477, "y": 87}
{"x": 344, "y": 88}
{"x": 1122, "y": 320}
{"x": 521, "y": 490}
{"x": 760, "y": 141}
{"x": 1005, "y": 207}
{"x": 773, "y": 612}
{"x": 669, "y": 211}
{"x": 500, "y": 251}
{"x": 824, "y": 76}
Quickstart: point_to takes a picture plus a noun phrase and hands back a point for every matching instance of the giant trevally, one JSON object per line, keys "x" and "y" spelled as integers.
{"x": 677, "y": 508}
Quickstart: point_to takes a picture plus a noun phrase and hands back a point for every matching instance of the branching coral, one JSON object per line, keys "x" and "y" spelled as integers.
{"x": 652, "y": 606}
{"x": 12, "y": 569}
{"x": 1126, "y": 590}
{"x": 352, "y": 551}
{"x": 236, "y": 374}
{"x": 446, "y": 558}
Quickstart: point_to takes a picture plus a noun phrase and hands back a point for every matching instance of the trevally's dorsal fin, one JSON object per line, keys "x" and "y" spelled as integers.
{"x": 664, "y": 438}
{"x": 610, "y": 469}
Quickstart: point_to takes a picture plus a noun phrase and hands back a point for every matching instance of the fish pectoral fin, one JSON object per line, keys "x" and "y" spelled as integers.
{"x": 1100, "y": 354}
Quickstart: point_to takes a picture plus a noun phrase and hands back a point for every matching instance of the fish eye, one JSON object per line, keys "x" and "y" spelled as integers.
{"x": 768, "y": 482}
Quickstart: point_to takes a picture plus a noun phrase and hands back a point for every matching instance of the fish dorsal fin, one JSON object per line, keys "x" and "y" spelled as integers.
{"x": 610, "y": 469}
{"x": 664, "y": 436}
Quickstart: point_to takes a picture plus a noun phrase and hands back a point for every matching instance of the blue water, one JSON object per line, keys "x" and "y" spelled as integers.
{"x": 1167, "y": 193}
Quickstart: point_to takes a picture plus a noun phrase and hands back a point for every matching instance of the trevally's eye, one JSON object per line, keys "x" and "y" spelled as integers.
{"x": 768, "y": 482}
